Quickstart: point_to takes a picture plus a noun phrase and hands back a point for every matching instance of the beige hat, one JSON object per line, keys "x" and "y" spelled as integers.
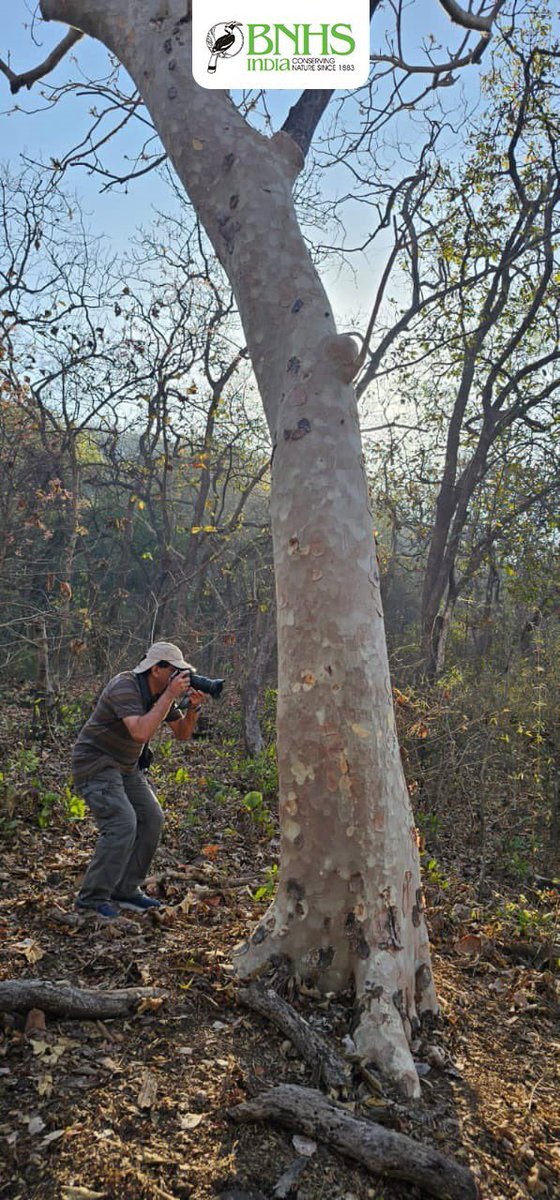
{"x": 163, "y": 652}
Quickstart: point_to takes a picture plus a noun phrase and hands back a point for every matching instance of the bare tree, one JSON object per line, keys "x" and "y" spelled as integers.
{"x": 479, "y": 244}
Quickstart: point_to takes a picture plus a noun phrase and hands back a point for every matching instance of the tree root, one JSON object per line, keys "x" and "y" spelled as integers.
{"x": 381, "y": 1151}
{"x": 63, "y": 1000}
{"x": 328, "y": 1067}
{"x": 391, "y": 1001}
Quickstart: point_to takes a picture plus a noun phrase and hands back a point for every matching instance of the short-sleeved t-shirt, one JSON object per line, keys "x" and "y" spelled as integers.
{"x": 104, "y": 740}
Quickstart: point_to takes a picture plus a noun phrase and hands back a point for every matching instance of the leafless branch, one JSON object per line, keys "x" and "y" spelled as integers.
{"x": 28, "y": 78}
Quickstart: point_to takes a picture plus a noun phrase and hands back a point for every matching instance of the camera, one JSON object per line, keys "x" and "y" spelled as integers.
{"x": 210, "y": 687}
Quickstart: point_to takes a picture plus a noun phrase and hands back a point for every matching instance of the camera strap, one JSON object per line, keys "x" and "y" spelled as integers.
{"x": 148, "y": 700}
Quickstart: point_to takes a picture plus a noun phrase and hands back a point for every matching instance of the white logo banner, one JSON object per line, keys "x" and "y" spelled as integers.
{"x": 281, "y": 44}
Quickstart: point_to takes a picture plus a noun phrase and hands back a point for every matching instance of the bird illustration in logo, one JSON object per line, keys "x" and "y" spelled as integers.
{"x": 224, "y": 40}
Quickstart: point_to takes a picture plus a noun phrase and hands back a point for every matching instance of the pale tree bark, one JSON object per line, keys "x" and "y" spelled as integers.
{"x": 349, "y": 906}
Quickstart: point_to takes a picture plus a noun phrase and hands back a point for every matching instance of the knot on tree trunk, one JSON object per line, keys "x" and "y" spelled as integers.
{"x": 289, "y": 152}
{"x": 342, "y": 354}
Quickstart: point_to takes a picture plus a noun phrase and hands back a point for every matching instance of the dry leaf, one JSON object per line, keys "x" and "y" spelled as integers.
{"x": 69, "y": 1192}
{"x": 45, "y": 1085}
{"x": 35, "y": 1023}
{"x": 51, "y": 1054}
{"x": 148, "y": 1091}
{"x": 52, "y": 1137}
{"x": 35, "y": 1125}
{"x": 303, "y": 1145}
{"x": 150, "y": 1004}
{"x": 110, "y": 1064}
{"x": 30, "y": 949}
{"x": 212, "y": 850}
{"x": 470, "y": 945}
{"x": 190, "y": 1120}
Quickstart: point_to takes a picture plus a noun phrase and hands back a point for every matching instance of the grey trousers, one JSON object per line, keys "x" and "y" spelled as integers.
{"x": 129, "y": 820}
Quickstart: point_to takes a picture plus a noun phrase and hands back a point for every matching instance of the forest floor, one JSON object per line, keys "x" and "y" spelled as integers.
{"x": 136, "y": 1108}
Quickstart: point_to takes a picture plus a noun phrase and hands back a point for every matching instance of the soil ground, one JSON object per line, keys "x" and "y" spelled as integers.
{"x": 137, "y": 1108}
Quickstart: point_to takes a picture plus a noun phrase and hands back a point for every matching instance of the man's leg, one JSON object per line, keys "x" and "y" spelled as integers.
{"x": 116, "y": 821}
{"x": 149, "y": 821}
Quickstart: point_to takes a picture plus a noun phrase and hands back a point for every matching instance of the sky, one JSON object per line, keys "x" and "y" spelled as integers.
{"x": 38, "y": 133}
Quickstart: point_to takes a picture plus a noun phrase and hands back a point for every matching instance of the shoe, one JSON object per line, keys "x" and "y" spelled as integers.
{"x": 105, "y": 910}
{"x": 139, "y": 902}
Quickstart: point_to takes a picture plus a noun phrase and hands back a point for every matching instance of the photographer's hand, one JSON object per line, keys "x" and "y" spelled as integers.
{"x": 184, "y": 729}
{"x": 178, "y": 685}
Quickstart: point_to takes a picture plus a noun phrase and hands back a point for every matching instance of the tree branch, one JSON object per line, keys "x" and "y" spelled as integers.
{"x": 381, "y": 1151}
{"x": 304, "y": 116}
{"x": 28, "y": 78}
{"x": 468, "y": 20}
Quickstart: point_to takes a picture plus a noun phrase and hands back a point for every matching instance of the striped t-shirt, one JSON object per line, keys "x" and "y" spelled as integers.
{"x": 104, "y": 740}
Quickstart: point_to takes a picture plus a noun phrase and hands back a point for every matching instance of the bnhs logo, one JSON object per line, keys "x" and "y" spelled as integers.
{"x": 224, "y": 40}
{"x": 291, "y": 48}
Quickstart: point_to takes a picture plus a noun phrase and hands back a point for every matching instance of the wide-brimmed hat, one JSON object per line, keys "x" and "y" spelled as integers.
{"x": 163, "y": 652}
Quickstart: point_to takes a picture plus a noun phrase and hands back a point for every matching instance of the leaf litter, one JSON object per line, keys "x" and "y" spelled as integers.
{"x": 136, "y": 1108}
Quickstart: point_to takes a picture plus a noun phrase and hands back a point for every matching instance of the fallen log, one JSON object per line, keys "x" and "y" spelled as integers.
{"x": 64, "y": 1000}
{"x": 329, "y": 1068}
{"x": 381, "y": 1151}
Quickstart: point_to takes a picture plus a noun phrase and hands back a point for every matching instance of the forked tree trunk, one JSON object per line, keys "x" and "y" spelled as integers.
{"x": 349, "y": 906}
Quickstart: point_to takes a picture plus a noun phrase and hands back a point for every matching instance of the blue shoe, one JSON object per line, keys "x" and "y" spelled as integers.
{"x": 138, "y": 902}
{"x": 105, "y": 910}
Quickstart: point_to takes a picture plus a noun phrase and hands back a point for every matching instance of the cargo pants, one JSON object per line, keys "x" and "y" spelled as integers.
{"x": 129, "y": 820}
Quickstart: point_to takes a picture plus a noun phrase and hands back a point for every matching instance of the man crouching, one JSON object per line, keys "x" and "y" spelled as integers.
{"x": 107, "y": 774}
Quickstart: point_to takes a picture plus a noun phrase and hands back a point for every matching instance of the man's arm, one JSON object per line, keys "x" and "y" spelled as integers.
{"x": 143, "y": 728}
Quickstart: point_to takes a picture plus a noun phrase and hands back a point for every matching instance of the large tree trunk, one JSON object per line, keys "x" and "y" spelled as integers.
{"x": 349, "y": 904}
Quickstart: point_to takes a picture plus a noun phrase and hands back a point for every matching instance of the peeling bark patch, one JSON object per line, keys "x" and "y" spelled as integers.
{"x": 297, "y": 306}
{"x": 233, "y": 201}
{"x": 172, "y": 93}
{"x": 326, "y": 957}
{"x": 356, "y": 937}
{"x": 420, "y": 899}
{"x": 294, "y": 435}
{"x": 392, "y": 940}
{"x": 168, "y": 45}
{"x": 171, "y": 64}
{"x": 295, "y": 889}
{"x": 294, "y": 365}
{"x": 406, "y": 892}
{"x": 375, "y": 992}
{"x": 422, "y": 979}
{"x": 416, "y": 916}
{"x": 398, "y": 1001}
{"x": 229, "y": 161}
{"x": 299, "y": 396}
{"x": 362, "y": 948}
{"x": 259, "y": 935}
{"x": 228, "y": 230}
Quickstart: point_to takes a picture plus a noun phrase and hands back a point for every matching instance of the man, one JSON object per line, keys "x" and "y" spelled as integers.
{"x": 105, "y": 764}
